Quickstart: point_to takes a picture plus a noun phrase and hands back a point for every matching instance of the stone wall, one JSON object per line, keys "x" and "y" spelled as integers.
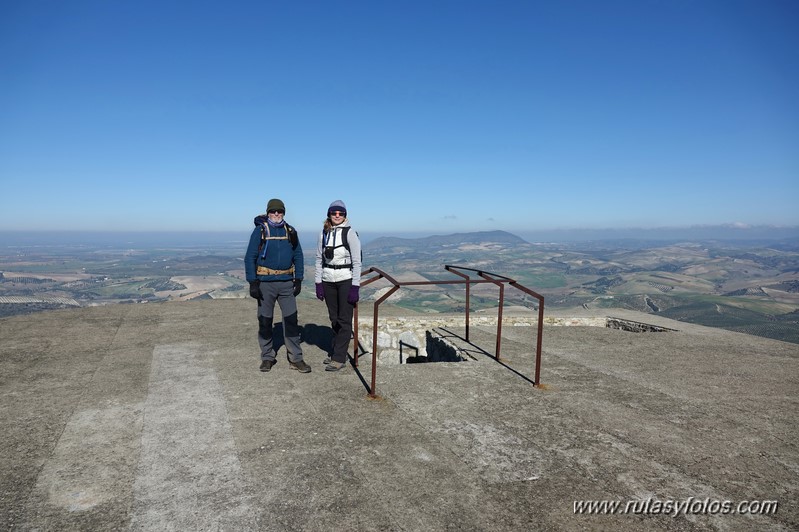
{"x": 634, "y": 326}
{"x": 406, "y": 340}
{"x": 409, "y": 340}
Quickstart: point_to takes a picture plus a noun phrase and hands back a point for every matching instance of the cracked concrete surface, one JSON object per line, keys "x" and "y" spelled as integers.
{"x": 155, "y": 417}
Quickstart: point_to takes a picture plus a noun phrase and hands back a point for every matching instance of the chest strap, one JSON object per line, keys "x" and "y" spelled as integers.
{"x": 337, "y": 266}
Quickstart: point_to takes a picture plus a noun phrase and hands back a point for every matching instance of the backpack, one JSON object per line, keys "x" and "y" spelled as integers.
{"x": 345, "y": 242}
{"x": 290, "y": 231}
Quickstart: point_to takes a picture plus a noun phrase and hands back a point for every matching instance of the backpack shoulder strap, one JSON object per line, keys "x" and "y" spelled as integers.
{"x": 344, "y": 231}
{"x": 290, "y": 232}
{"x": 263, "y": 237}
{"x": 346, "y": 243}
{"x": 293, "y": 238}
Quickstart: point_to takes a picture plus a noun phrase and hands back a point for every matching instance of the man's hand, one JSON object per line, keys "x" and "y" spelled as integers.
{"x": 297, "y": 286}
{"x": 320, "y": 292}
{"x": 255, "y": 290}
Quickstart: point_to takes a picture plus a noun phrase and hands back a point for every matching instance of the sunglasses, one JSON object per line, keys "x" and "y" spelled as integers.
{"x": 337, "y": 213}
{"x": 276, "y": 211}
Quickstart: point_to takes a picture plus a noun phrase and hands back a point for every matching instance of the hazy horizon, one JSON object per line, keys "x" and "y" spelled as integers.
{"x": 233, "y": 239}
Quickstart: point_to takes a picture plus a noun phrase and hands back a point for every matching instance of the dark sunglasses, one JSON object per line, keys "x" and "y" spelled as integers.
{"x": 337, "y": 213}
{"x": 276, "y": 211}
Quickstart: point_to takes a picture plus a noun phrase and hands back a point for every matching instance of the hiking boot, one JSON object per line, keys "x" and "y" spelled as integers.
{"x": 266, "y": 365}
{"x": 335, "y": 366}
{"x": 300, "y": 366}
{"x": 327, "y": 361}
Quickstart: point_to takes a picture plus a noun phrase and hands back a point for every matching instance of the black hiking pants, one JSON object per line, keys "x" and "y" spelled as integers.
{"x": 340, "y": 313}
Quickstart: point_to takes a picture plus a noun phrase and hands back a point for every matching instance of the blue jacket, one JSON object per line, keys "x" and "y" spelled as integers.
{"x": 277, "y": 253}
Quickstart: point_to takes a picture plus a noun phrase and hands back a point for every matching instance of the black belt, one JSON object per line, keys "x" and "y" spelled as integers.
{"x": 337, "y": 266}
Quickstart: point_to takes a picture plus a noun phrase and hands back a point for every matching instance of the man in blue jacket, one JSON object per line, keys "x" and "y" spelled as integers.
{"x": 274, "y": 268}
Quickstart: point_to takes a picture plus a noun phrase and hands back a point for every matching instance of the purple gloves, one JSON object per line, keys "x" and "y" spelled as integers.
{"x": 352, "y": 297}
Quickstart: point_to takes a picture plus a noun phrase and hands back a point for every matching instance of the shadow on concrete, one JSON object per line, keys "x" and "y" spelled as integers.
{"x": 360, "y": 375}
{"x": 321, "y": 336}
{"x": 318, "y": 335}
{"x": 278, "y": 338}
{"x": 481, "y": 351}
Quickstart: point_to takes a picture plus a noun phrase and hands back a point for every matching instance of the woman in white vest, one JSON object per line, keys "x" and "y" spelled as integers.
{"x": 338, "y": 279}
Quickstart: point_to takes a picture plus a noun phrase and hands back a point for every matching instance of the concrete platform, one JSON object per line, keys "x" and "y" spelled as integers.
{"x": 155, "y": 417}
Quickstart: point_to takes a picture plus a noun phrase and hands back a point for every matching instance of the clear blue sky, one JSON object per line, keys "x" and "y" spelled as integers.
{"x": 431, "y": 116}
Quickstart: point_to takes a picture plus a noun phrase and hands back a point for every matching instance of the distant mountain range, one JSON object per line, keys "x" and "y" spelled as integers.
{"x": 724, "y": 232}
{"x": 760, "y": 234}
{"x": 778, "y": 237}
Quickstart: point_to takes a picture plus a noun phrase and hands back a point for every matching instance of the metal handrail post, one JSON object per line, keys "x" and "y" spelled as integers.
{"x": 355, "y": 313}
{"x": 501, "y": 305}
{"x": 537, "y": 380}
{"x": 487, "y": 277}
{"x": 468, "y": 286}
{"x": 538, "y": 343}
{"x": 515, "y": 284}
{"x": 374, "y": 338}
{"x": 355, "y": 335}
{"x": 499, "y": 317}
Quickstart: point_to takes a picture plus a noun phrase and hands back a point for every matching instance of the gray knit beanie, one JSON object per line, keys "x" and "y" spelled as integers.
{"x": 337, "y": 205}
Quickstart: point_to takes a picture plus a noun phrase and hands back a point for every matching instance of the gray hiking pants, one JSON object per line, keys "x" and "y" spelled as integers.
{"x": 281, "y": 292}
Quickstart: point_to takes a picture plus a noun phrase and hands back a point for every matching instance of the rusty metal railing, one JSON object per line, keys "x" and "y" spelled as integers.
{"x": 485, "y": 277}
